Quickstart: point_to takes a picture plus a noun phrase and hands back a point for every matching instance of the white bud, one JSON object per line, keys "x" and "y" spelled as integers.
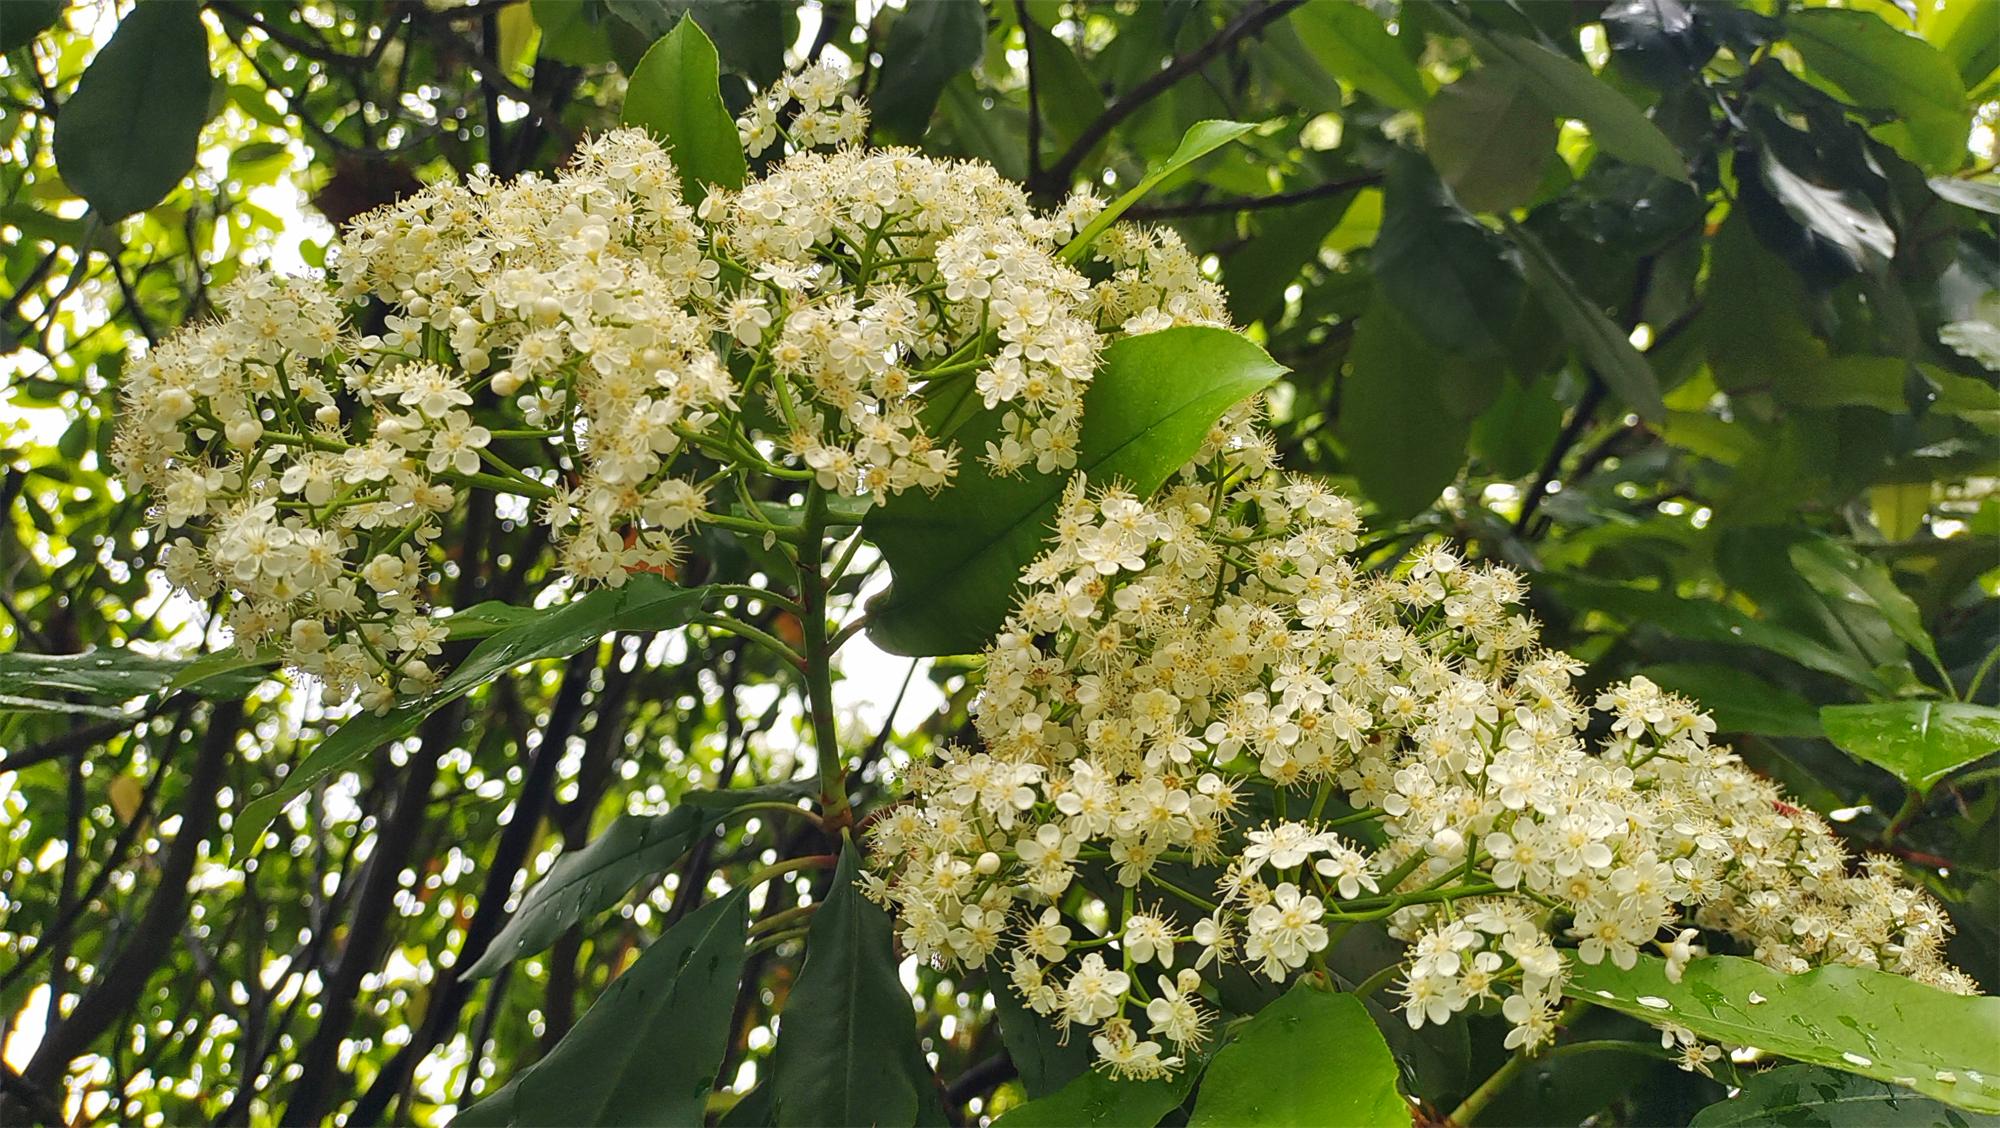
{"x": 243, "y": 431}
{"x": 989, "y": 863}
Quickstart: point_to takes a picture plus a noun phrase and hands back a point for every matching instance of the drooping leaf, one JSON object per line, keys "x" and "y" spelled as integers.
{"x": 1599, "y": 341}
{"x": 1278, "y": 1070}
{"x": 1404, "y": 445}
{"x": 1201, "y": 139}
{"x": 1806, "y": 1096}
{"x": 645, "y": 603}
{"x": 1490, "y": 138}
{"x": 128, "y": 133}
{"x": 1837, "y": 226}
{"x": 1873, "y": 1023}
{"x": 1979, "y": 195}
{"x": 847, "y": 1052}
{"x": 675, "y": 95}
{"x": 1841, "y": 574}
{"x": 956, "y": 556}
{"x": 1738, "y": 700}
{"x": 1919, "y": 742}
{"x": 1093, "y": 1100}
{"x": 1660, "y": 38}
{"x": 1351, "y": 42}
{"x": 648, "y": 1049}
{"x": 587, "y": 881}
{"x": 928, "y": 45}
{"x": 1882, "y": 68}
{"x": 1453, "y": 280}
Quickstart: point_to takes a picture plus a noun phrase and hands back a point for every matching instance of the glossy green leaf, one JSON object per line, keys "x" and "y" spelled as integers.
{"x": 127, "y": 134}
{"x": 1882, "y": 68}
{"x": 1094, "y": 1100}
{"x": 1840, "y": 224}
{"x": 1352, "y": 43}
{"x": 1490, "y": 138}
{"x": 1919, "y": 742}
{"x": 1313, "y": 1057}
{"x": 847, "y": 1052}
{"x": 1845, "y": 576}
{"x": 648, "y": 1049}
{"x": 675, "y": 95}
{"x": 645, "y": 603}
{"x": 1868, "y": 1022}
{"x": 1979, "y": 195}
{"x": 1201, "y": 139}
{"x": 928, "y": 46}
{"x": 1739, "y": 701}
{"x": 1592, "y": 333}
{"x": 956, "y": 556}
{"x": 749, "y": 38}
{"x": 1569, "y": 89}
{"x": 1661, "y": 39}
{"x": 1806, "y": 1096}
{"x": 1403, "y": 444}
{"x": 1453, "y": 280}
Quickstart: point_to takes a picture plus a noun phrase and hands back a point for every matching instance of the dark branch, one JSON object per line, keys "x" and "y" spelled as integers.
{"x": 1255, "y": 203}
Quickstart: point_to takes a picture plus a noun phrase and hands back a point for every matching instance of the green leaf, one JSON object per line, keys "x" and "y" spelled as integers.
{"x": 1069, "y": 97}
{"x": 1739, "y": 701}
{"x": 1201, "y": 139}
{"x": 1979, "y": 195}
{"x": 1882, "y": 68}
{"x": 1661, "y": 39}
{"x": 750, "y": 38}
{"x": 1256, "y": 274}
{"x": 1093, "y": 1100}
{"x": 645, "y": 603}
{"x": 22, "y": 20}
{"x": 956, "y": 556}
{"x": 1569, "y": 89}
{"x": 1806, "y": 1096}
{"x": 127, "y": 135}
{"x": 675, "y": 96}
{"x": 1968, "y": 32}
{"x": 1455, "y": 281}
{"x": 1841, "y": 574}
{"x": 1514, "y": 435}
{"x": 928, "y": 46}
{"x": 1757, "y": 336}
{"x": 1838, "y": 225}
{"x": 1600, "y": 342}
{"x": 648, "y": 1049}
{"x": 111, "y": 676}
{"x": 574, "y": 31}
{"x": 1404, "y": 445}
{"x": 1919, "y": 742}
{"x": 1351, "y": 42}
{"x": 1276, "y": 1071}
{"x": 1490, "y": 139}
{"x": 589, "y": 880}
{"x": 1044, "y": 1060}
{"x": 847, "y": 1052}
{"x": 1868, "y": 1022}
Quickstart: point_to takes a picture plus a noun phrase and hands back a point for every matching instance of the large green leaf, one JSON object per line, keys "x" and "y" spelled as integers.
{"x": 956, "y": 556}
{"x": 645, "y": 603}
{"x": 1806, "y": 1096}
{"x": 1868, "y": 1022}
{"x": 1882, "y": 68}
{"x": 1311, "y": 1058}
{"x": 1841, "y": 574}
{"x": 1599, "y": 341}
{"x": 847, "y": 1052}
{"x": 22, "y": 20}
{"x": 1490, "y": 138}
{"x": 1919, "y": 742}
{"x": 1968, "y": 32}
{"x": 1201, "y": 139}
{"x": 928, "y": 45}
{"x": 648, "y": 1049}
{"x": 587, "y": 881}
{"x": 1351, "y": 42}
{"x": 128, "y": 133}
{"x": 675, "y": 96}
{"x": 1455, "y": 281}
{"x": 1739, "y": 701}
{"x": 1045, "y": 1060}
{"x": 1257, "y": 273}
{"x": 750, "y": 38}
{"x": 1068, "y": 96}
{"x": 1836, "y": 226}
{"x": 1403, "y": 444}
{"x": 1569, "y": 89}
{"x": 1093, "y": 1100}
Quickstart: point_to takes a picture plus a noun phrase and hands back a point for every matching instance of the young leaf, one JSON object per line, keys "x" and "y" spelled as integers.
{"x": 1873, "y": 1023}
{"x": 675, "y": 96}
{"x": 1201, "y": 139}
{"x": 956, "y": 556}
{"x": 1351, "y": 42}
{"x": 1093, "y": 1100}
{"x": 928, "y": 45}
{"x": 127, "y": 135}
{"x": 1404, "y": 446}
{"x": 645, "y": 603}
{"x": 1882, "y": 68}
{"x": 1806, "y": 1096}
{"x": 847, "y": 1053}
{"x": 648, "y": 1049}
{"x": 1490, "y": 138}
{"x": 1919, "y": 742}
{"x": 1275, "y": 1071}
{"x": 1595, "y": 337}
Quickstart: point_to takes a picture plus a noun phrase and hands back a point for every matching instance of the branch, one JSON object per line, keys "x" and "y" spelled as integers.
{"x": 1255, "y": 203}
{"x": 1249, "y": 21}
{"x": 1034, "y": 93}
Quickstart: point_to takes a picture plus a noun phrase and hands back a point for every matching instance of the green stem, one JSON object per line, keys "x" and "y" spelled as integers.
{"x": 833, "y": 804}
{"x": 1469, "y": 1109}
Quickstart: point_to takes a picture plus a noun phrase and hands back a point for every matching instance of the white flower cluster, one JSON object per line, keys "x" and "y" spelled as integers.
{"x": 595, "y": 343}
{"x": 1207, "y": 735}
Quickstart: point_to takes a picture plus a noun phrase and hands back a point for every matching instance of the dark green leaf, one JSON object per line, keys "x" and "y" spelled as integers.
{"x": 847, "y": 1053}
{"x": 750, "y": 38}
{"x": 1980, "y": 195}
{"x": 1841, "y": 574}
{"x": 1919, "y": 742}
{"x": 1201, "y": 139}
{"x": 1351, "y": 42}
{"x": 1455, "y": 281}
{"x": 1754, "y": 314}
{"x": 956, "y": 556}
{"x": 1596, "y": 338}
{"x": 1882, "y": 68}
{"x": 1806, "y": 1096}
{"x": 1740, "y": 701}
{"x": 574, "y": 31}
{"x": 1093, "y": 1100}
{"x": 1836, "y": 226}
{"x": 1661, "y": 38}
{"x": 1868, "y": 1022}
{"x": 675, "y": 96}
{"x": 1288, "y": 239}
{"x": 1044, "y": 1060}
{"x": 648, "y": 1049}
{"x": 22, "y": 20}
{"x": 1490, "y": 138}
{"x": 127, "y": 135}
{"x": 1513, "y": 436}
{"x": 928, "y": 45}
{"x": 1276, "y": 1071}
{"x": 1404, "y": 444}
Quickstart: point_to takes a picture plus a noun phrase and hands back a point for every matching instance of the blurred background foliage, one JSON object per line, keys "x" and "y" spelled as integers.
{"x": 1685, "y": 308}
